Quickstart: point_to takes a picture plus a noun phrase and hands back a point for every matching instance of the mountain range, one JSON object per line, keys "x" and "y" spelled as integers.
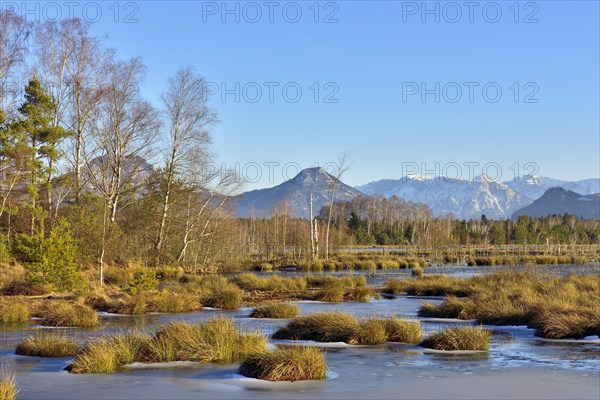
{"x": 463, "y": 199}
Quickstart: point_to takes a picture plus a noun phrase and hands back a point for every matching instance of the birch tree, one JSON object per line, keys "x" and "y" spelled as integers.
{"x": 188, "y": 120}
{"x": 124, "y": 129}
{"x": 342, "y": 167}
{"x": 15, "y": 32}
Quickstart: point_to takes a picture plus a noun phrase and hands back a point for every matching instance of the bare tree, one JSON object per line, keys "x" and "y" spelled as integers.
{"x": 209, "y": 193}
{"x": 14, "y": 35}
{"x": 342, "y": 167}
{"x": 188, "y": 119}
{"x": 124, "y": 130}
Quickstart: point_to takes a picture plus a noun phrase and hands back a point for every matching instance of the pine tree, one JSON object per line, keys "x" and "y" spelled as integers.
{"x": 36, "y": 138}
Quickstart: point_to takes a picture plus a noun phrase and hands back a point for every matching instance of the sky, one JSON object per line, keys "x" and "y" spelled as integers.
{"x": 431, "y": 88}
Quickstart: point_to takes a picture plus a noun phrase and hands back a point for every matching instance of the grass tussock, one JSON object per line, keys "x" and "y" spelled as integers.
{"x": 451, "y": 307}
{"x": 281, "y": 310}
{"x": 218, "y": 292}
{"x": 14, "y": 312}
{"x": 47, "y": 344}
{"x": 215, "y": 341}
{"x": 65, "y": 314}
{"x": 459, "y": 338}
{"x": 286, "y": 363}
{"x": 8, "y": 385}
{"x": 338, "y": 327}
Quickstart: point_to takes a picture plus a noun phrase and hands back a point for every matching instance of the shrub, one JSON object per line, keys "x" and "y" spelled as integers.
{"x": 459, "y": 338}
{"x": 14, "y": 312}
{"x": 8, "y": 385}
{"x": 282, "y": 310}
{"x": 62, "y": 313}
{"x": 286, "y": 363}
{"x": 51, "y": 260}
{"x": 143, "y": 279}
{"x": 47, "y": 344}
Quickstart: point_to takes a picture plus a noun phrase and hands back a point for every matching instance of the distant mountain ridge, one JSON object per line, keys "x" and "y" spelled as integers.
{"x": 468, "y": 199}
{"x": 464, "y": 199}
{"x": 296, "y": 192}
{"x": 562, "y": 201}
{"x": 535, "y": 186}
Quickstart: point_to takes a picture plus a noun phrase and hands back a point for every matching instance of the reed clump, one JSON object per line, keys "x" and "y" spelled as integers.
{"x": 65, "y": 314}
{"x": 14, "y": 312}
{"x": 218, "y": 292}
{"x": 47, "y": 344}
{"x": 106, "y": 354}
{"x": 280, "y": 310}
{"x": 459, "y": 338}
{"x": 339, "y": 327}
{"x": 8, "y": 385}
{"x": 286, "y": 363}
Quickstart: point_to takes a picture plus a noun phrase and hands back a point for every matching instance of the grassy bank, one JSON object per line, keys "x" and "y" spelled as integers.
{"x": 555, "y": 307}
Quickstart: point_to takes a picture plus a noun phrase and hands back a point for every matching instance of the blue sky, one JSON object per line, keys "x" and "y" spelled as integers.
{"x": 375, "y": 61}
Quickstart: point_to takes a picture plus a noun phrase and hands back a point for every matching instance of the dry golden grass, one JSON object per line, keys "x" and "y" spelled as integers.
{"x": 14, "y": 311}
{"x": 8, "y": 385}
{"x": 47, "y": 344}
{"x": 214, "y": 341}
{"x": 218, "y": 292}
{"x": 556, "y": 307}
{"x": 286, "y": 363}
{"x": 321, "y": 327}
{"x": 338, "y": 327}
{"x": 66, "y": 314}
{"x": 459, "y": 338}
{"x": 280, "y": 310}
